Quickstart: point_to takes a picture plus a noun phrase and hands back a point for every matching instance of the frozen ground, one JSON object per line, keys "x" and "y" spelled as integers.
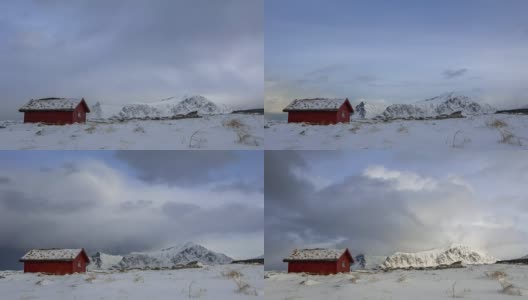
{"x": 218, "y": 132}
{"x": 495, "y": 131}
{"x": 473, "y": 282}
{"x": 219, "y": 282}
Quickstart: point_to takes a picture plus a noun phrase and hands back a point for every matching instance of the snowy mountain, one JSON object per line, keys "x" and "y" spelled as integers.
{"x": 367, "y": 262}
{"x": 368, "y": 110}
{"x": 103, "y": 261}
{"x": 169, "y": 257}
{"x": 436, "y": 257}
{"x": 442, "y": 105}
{"x": 165, "y": 108}
{"x": 164, "y": 258}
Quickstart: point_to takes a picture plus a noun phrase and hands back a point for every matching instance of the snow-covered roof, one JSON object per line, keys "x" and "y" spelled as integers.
{"x": 52, "y": 254}
{"x": 315, "y": 254}
{"x": 316, "y": 104}
{"x": 53, "y": 104}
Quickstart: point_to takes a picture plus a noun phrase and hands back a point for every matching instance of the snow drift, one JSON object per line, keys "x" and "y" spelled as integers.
{"x": 164, "y": 258}
{"x": 441, "y": 105}
{"x": 437, "y": 257}
{"x": 165, "y": 108}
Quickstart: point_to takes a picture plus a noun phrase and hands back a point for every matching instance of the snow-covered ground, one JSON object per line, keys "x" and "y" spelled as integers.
{"x": 473, "y": 282}
{"x": 491, "y": 131}
{"x": 216, "y": 132}
{"x": 215, "y": 282}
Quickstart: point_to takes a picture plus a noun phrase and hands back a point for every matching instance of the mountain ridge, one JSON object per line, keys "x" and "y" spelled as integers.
{"x": 170, "y": 257}
{"x": 436, "y": 257}
{"x": 164, "y": 108}
{"x": 444, "y": 104}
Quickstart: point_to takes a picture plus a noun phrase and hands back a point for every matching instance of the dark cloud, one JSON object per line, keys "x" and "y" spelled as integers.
{"x": 176, "y": 168}
{"x": 4, "y": 180}
{"x": 177, "y": 210}
{"x": 131, "y": 51}
{"x": 135, "y": 205}
{"x": 231, "y": 217}
{"x": 10, "y": 258}
{"x": 244, "y": 187}
{"x": 102, "y": 202}
{"x": 19, "y": 201}
{"x": 280, "y": 184}
{"x": 450, "y": 73}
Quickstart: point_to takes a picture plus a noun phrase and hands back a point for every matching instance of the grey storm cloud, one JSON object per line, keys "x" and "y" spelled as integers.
{"x": 135, "y": 205}
{"x": 188, "y": 167}
{"x": 233, "y": 217}
{"x": 450, "y": 73}
{"x": 246, "y": 187}
{"x": 114, "y": 212}
{"x": 13, "y": 200}
{"x": 124, "y": 51}
{"x": 377, "y": 212}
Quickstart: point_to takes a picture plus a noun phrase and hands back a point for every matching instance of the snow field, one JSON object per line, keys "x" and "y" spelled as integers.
{"x": 490, "y": 132}
{"x": 473, "y": 282}
{"x": 207, "y": 283}
{"x": 210, "y": 132}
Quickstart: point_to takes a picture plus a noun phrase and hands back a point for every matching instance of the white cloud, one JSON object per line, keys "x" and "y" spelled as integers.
{"x": 401, "y": 180}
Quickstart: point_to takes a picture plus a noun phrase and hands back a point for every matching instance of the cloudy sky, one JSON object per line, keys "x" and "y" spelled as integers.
{"x": 118, "y": 202}
{"x": 380, "y": 202}
{"x": 121, "y": 51}
{"x": 396, "y": 51}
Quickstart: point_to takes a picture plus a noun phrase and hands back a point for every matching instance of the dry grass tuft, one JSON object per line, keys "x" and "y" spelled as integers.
{"x": 454, "y": 294}
{"x": 233, "y": 123}
{"x": 231, "y": 274}
{"x": 401, "y": 278}
{"x": 196, "y": 141}
{"x": 495, "y": 275}
{"x": 509, "y": 289}
{"x": 139, "y": 279}
{"x": 194, "y": 292}
{"x": 403, "y": 129}
{"x": 507, "y": 137}
{"x": 496, "y": 123}
{"x": 91, "y": 278}
{"x": 459, "y": 140}
{"x": 245, "y": 288}
{"x": 91, "y": 129}
{"x": 355, "y": 128}
{"x": 139, "y": 129}
{"x": 354, "y": 278}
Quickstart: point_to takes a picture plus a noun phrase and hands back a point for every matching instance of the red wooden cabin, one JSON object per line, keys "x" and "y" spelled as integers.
{"x": 57, "y": 111}
{"x": 319, "y": 111}
{"x": 319, "y": 261}
{"x": 55, "y": 261}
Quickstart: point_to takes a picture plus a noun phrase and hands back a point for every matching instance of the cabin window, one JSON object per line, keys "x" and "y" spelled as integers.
{"x": 342, "y": 264}
{"x": 78, "y": 114}
{"x": 78, "y": 264}
{"x": 342, "y": 114}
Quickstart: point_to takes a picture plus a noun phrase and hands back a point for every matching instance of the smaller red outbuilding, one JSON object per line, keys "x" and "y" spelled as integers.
{"x": 55, "y": 261}
{"x": 321, "y": 111}
{"x": 319, "y": 261}
{"x": 58, "y": 111}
